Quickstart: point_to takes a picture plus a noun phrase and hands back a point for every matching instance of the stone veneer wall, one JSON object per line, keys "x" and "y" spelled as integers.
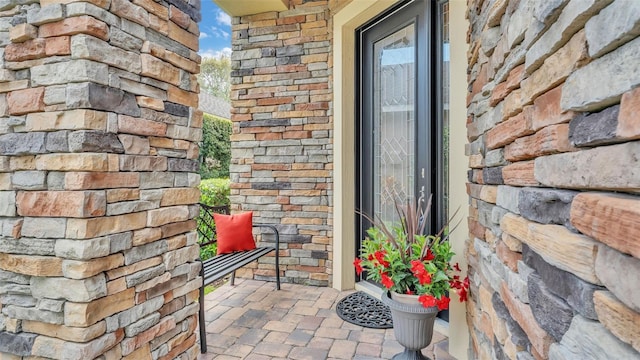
{"x": 281, "y": 167}
{"x": 98, "y": 149}
{"x": 553, "y": 132}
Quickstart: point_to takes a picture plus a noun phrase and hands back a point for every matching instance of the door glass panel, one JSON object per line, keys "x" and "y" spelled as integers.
{"x": 394, "y": 124}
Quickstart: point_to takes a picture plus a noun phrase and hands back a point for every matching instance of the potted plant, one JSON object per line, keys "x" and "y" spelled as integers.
{"x": 416, "y": 270}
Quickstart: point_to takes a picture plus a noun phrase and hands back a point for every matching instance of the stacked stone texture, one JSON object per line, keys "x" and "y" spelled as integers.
{"x": 282, "y": 135}
{"x": 554, "y": 154}
{"x": 98, "y": 182}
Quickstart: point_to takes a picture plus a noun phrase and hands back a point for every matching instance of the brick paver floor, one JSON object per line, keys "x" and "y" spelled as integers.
{"x": 253, "y": 321}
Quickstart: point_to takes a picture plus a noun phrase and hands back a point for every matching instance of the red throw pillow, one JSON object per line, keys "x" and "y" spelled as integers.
{"x": 234, "y": 232}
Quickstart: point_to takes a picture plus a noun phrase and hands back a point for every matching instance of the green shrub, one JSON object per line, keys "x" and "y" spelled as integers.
{"x": 213, "y": 192}
{"x": 215, "y": 149}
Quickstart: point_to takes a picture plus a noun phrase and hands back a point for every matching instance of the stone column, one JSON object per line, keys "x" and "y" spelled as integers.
{"x": 98, "y": 176}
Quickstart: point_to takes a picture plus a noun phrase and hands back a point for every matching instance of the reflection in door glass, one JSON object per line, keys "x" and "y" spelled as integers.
{"x": 394, "y": 124}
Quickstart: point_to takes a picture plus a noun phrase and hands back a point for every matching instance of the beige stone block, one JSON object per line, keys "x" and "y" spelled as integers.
{"x": 86, "y": 314}
{"x": 116, "y": 286}
{"x": 158, "y": 69}
{"x": 166, "y": 215}
{"x": 72, "y": 162}
{"x": 613, "y": 219}
{"x": 556, "y": 68}
{"x": 154, "y": 7}
{"x": 183, "y": 97}
{"x": 22, "y": 32}
{"x": 67, "y": 120}
{"x": 182, "y": 36}
{"x": 75, "y": 334}
{"x": 27, "y": 162}
{"x": 76, "y": 269}
{"x": 13, "y": 85}
{"x": 180, "y": 196}
{"x": 628, "y": 124}
{"x": 78, "y": 204}
{"x": 623, "y": 322}
{"x": 557, "y": 245}
{"x": 142, "y": 353}
{"x": 117, "y": 195}
{"x": 91, "y": 228}
{"x": 44, "y": 266}
{"x": 151, "y": 103}
{"x": 146, "y": 235}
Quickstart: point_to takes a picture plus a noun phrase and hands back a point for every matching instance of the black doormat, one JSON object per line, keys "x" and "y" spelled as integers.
{"x": 362, "y": 309}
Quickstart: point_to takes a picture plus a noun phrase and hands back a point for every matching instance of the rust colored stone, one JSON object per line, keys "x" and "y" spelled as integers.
{"x": 547, "y": 110}
{"x": 613, "y": 219}
{"x": 61, "y": 203}
{"x": 75, "y": 25}
{"x": 549, "y": 140}
{"x": 628, "y": 124}
{"x": 26, "y": 101}
{"x": 520, "y": 174}
{"x": 509, "y": 130}
{"x": 60, "y": 45}
{"x": 28, "y": 50}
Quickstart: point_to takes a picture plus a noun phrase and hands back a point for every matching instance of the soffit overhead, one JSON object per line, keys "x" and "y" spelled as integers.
{"x": 250, "y": 7}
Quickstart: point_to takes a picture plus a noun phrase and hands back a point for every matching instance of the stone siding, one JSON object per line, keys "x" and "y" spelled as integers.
{"x": 282, "y": 152}
{"x": 98, "y": 179}
{"x": 553, "y": 182}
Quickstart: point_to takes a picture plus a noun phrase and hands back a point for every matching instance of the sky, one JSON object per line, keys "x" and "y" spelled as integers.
{"x": 215, "y": 31}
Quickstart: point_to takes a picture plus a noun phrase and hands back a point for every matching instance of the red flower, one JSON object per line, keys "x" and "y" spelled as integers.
{"x": 429, "y": 256}
{"x": 462, "y": 293}
{"x": 409, "y": 292}
{"x": 358, "y": 264}
{"x": 427, "y": 300}
{"x": 370, "y": 257}
{"x": 443, "y": 303}
{"x": 457, "y": 267}
{"x": 386, "y": 280}
{"x": 379, "y": 255}
{"x": 417, "y": 268}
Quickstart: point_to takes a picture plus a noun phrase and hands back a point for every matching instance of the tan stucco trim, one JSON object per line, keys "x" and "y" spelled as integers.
{"x": 249, "y": 7}
{"x": 345, "y": 22}
{"x": 458, "y": 25}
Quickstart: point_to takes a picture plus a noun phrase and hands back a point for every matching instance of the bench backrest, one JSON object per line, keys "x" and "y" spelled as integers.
{"x": 206, "y": 225}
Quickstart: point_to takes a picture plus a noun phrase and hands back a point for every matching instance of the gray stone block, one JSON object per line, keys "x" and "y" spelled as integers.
{"x": 83, "y": 8}
{"x": 595, "y": 128}
{"x": 604, "y": 167}
{"x": 82, "y": 249}
{"x": 57, "y": 141}
{"x": 46, "y": 14}
{"x": 290, "y": 50}
{"x": 121, "y": 39}
{"x": 143, "y": 252}
{"x": 619, "y": 273}
{"x": 29, "y": 180}
{"x": 508, "y": 197}
{"x": 19, "y": 344}
{"x": 176, "y": 109}
{"x": 546, "y": 206}
{"x": 518, "y": 336}
{"x": 19, "y": 300}
{"x": 591, "y": 76}
{"x": 587, "y": 339}
{"x": 186, "y": 165}
{"x": 44, "y": 247}
{"x": 493, "y": 175}
{"x": 83, "y": 290}
{"x": 72, "y": 71}
{"x": 8, "y": 276}
{"x": 552, "y": 313}
{"x": 101, "y": 97}
{"x": 142, "y": 325}
{"x": 95, "y": 141}
{"x": 89, "y": 47}
{"x": 47, "y": 228}
{"x": 575, "y": 291}
{"x": 51, "y": 305}
{"x": 30, "y": 143}
{"x": 144, "y": 275}
{"x": 495, "y": 158}
{"x": 612, "y": 27}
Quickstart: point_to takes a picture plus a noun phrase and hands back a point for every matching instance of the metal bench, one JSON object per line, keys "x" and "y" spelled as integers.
{"x": 219, "y": 266}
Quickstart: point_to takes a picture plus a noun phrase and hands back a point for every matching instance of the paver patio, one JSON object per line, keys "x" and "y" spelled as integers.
{"x": 253, "y": 321}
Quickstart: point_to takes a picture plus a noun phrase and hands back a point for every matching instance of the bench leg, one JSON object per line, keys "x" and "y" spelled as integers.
{"x": 233, "y": 278}
{"x": 201, "y": 324}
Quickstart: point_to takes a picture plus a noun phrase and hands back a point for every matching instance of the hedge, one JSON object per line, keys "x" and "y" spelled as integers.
{"x": 215, "y": 149}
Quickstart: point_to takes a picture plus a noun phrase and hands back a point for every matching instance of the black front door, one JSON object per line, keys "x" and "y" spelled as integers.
{"x": 395, "y": 142}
